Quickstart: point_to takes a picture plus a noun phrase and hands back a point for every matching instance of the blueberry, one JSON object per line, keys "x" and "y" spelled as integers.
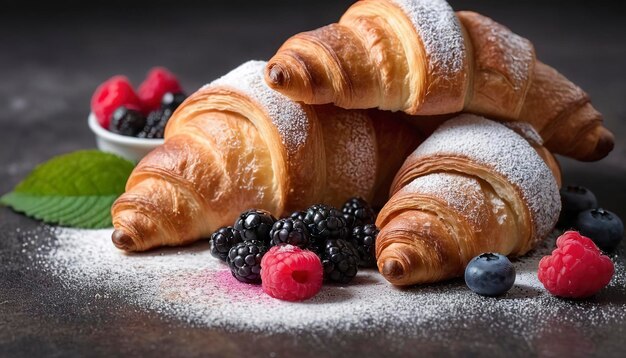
{"x": 602, "y": 226}
{"x": 490, "y": 274}
{"x": 575, "y": 199}
{"x": 127, "y": 121}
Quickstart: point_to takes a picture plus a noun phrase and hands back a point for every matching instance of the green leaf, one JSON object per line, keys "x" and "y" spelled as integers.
{"x": 75, "y": 189}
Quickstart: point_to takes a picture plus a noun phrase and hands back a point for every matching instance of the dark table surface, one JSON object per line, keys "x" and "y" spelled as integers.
{"x": 52, "y": 58}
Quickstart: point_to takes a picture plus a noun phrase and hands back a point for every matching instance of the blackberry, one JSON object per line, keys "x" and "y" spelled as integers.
{"x": 298, "y": 215}
{"x": 358, "y": 212}
{"x": 244, "y": 260}
{"x": 289, "y": 231}
{"x": 223, "y": 240}
{"x": 340, "y": 261}
{"x": 172, "y": 100}
{"x": 325, "y": 222}
{"x": 365, "y": 241}
{"x": 155, "y": 124}
{"x": 317, "y": 247}
{"x": 255, "y": 224}
{"x": 126, "y": 121}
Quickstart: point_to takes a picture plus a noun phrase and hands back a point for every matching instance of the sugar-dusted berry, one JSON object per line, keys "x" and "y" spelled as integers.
{"x": 290, "y": 273}
{"x": 576, "y": 268}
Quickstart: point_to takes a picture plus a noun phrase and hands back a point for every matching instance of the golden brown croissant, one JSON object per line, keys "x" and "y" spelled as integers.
{"x": 417, "y": 56}
{"x": 474, "y": 186}
{"x": 236, "y": 144}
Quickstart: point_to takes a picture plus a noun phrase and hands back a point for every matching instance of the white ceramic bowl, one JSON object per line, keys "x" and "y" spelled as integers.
{"x": 131, "y": 148}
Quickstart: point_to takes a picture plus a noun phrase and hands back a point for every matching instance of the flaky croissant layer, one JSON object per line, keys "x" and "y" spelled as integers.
{"x": 236, "y": 144}
{"x": 422, "y": 58}
{"x": 474, "y": 186}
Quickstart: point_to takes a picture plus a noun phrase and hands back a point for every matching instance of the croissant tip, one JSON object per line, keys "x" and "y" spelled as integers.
{"x": 123, "y": 241}
{"x": 276, "y": 76}
{"x": 392, "y": 269}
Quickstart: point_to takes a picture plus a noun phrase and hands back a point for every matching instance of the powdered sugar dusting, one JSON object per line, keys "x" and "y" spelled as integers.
{"x": 188, "y": 285}
{"x": 460, "y": 192}
{"x": 514, "y": 55}
{"x": 495, "y": 146}
{"x": 527, "y": 131}
{"x": 349, "y": 134}
{"x": 440, "y": 31}
{"x": 286, "y": 248}
{"x": 288, "y": 116}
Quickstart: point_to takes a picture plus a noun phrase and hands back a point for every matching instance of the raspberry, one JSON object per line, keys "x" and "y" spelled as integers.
{"x": 290, "y": 273}
{"x": 110, "y": 95}
{"x": 576, "y": 268}
{"x": 158, "y": 82}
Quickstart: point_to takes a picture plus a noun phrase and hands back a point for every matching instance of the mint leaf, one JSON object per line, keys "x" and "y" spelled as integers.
{"x": 75, "y": 189}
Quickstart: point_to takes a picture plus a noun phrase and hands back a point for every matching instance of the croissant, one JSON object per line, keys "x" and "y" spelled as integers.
{"x": 235, "y": 144}
{"x": 417, "y": 56}
{"x": 474, "y": 186}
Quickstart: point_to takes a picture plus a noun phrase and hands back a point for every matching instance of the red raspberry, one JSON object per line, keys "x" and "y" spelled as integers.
{"x": 290, "y": 273}
{"x": 576, "y": 268}
{"x": 158, "y": 82}
{"x": 110, "y": 95}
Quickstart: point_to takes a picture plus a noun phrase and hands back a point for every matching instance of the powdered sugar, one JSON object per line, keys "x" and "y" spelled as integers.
{"x": 508, "y": 154}
{"x": 511, "y": 53}
{"x": 460, "y": 192}
{"x": 189, "y": 285}
{"x": 288, "y": 116}
{"x": 440, "y": 32}
{"x": 526, "y": 130}
{"x": 286, "y": 248}
{"x": 350, "y": 135}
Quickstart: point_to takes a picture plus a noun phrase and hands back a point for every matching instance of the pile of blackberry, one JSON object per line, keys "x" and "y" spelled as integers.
{"x": 131, "y": 122}
{"x": 343, "y": 239}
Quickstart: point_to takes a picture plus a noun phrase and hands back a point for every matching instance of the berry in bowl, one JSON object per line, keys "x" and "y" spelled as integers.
{"x": 131, "y": 123}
